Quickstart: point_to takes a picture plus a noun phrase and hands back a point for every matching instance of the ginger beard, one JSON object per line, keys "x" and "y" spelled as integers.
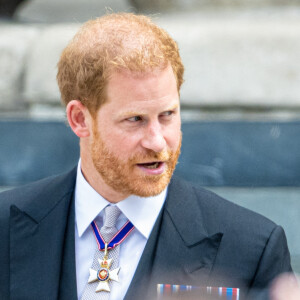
{"x": 124, "y": 177}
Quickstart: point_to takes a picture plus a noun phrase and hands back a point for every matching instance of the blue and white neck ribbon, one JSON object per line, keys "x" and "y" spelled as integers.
{"x": 116, "y": 240}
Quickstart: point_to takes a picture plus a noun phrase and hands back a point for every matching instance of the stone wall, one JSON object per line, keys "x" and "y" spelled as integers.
{"x": 234, "y": 60}
{"x": 81, "y": 10}
{"x": 192, "y": 5}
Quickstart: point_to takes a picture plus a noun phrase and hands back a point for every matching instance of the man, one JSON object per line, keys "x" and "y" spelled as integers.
{"x": 64, "y": 237}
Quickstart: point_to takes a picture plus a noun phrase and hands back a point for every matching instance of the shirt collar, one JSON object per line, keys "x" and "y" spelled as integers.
{"x": 88, "y": 203}
{"x": 142, "y": 212}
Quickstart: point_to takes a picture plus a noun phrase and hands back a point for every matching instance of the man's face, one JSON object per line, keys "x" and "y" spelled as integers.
{"x": 136, "y": 133}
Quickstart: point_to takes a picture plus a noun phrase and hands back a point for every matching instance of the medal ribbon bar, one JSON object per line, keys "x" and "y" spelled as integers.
{"x": 221, "y": 292}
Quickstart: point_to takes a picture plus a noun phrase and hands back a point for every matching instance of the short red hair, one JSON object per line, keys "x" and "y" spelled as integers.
{"x": 108, "y": 44}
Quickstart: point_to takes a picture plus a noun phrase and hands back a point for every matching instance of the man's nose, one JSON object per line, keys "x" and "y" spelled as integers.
{"x": 153, "y": 138}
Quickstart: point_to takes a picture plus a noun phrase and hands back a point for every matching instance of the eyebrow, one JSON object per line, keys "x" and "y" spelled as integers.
{"x": 140, "y": 113}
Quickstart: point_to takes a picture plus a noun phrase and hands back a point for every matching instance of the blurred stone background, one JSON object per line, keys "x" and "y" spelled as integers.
{"x": 241, "y": 56}
{"x": 240, "y": 100}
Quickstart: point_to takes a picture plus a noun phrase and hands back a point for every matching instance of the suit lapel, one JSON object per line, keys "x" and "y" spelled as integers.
{"x": 68, "y": 286}
{"x": 182, "y": 249}
{"x": 37, "y": 241}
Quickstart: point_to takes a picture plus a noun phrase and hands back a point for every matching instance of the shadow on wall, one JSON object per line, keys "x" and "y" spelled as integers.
{"x": 240, "y": 154}
{"x": 8, "y": 8}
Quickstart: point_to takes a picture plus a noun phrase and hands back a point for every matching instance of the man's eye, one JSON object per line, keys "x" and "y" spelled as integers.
{"x": 167, "y": 113}
{"x": 134, "y": 119}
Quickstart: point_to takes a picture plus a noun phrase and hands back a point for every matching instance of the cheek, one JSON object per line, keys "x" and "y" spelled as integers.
{"x": 123, "y": 144}
{"x": 174, "y": 141}
{"x": 173, "y": 136}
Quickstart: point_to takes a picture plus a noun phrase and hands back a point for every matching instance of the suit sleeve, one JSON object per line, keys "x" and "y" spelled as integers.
{"x": 275, "y": 260}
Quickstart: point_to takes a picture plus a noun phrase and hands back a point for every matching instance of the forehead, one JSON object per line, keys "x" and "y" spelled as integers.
{"x": 127, "y": 87}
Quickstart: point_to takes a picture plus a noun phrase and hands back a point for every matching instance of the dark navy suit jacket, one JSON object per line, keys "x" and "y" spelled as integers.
{"x": 198, "y": 239}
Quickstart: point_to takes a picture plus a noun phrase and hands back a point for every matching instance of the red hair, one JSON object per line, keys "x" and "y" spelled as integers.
{"x": 108, "y": 44}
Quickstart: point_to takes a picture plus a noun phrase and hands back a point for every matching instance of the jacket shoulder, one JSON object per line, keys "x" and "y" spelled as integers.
{"x": 253, "y": 249}
{"x": 222, "y": 215}
{"x": 35, "y": 195}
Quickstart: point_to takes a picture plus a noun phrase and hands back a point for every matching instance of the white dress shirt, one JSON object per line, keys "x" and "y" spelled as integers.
{"x": 89, "y": 205}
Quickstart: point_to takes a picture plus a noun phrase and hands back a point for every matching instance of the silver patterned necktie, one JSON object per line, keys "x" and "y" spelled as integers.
{"x": 108, "y": 230}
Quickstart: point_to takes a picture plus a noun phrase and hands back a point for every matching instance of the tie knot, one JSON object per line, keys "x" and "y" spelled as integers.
{"x": 111, "y": 215}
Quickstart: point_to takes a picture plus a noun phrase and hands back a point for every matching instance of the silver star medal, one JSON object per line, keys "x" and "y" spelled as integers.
{"x": 104, "y": 274}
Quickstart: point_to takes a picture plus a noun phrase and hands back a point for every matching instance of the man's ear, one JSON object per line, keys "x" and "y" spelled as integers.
{"x": 78, "y": 118}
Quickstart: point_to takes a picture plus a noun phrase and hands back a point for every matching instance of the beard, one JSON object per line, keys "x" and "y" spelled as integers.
{"x": 125, "y": 177}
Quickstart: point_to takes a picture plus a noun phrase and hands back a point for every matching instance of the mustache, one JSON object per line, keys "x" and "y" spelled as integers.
{"x": 151, "y": 156}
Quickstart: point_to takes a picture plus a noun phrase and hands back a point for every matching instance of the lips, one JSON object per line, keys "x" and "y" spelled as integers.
{"x": 151, "y": 165}
{"x": 152, "y": 168}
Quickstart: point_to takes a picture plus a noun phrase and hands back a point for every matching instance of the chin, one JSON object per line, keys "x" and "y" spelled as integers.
{"x": 149, "y": 189}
